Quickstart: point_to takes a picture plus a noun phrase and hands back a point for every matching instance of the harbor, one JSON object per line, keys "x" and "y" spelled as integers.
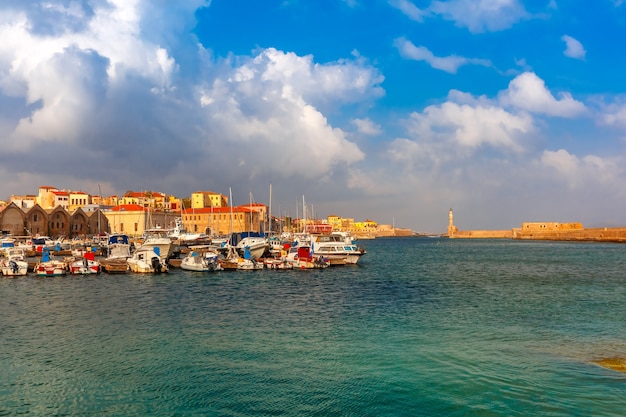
{"x": 427, "y": 326}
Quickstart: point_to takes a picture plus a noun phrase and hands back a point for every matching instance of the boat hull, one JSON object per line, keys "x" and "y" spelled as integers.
{"x": 14, "y": 268}
{"x": 85, "y": 268}
{"x": 51, "y": 268}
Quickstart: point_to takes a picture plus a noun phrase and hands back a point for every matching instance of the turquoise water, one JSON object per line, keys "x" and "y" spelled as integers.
{"x": 421, "y": 327}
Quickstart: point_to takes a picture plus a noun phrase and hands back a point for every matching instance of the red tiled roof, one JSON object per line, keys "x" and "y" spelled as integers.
{"x": 209, "y": 210}
{"x": 128, "y": 207}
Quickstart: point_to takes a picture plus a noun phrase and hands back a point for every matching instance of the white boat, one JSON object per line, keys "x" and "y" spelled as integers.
{"x": 335, "y": 249}
{"x": 118, "y": 247}
{"x": 179, "y": 233}
{"x": 14, "y": 264}
{"x": 201, "y": 260}
{"x": 85, "y": 265}
{"x": 118, "y": 251}
{"x": 303, "y": 258}
{"x": 146, "y": 260}
{"x": 234, "y": 261}
{"x": 157, "y": 240}
{"x": 278, "y": 263}
{"x": 345, "y": 236}
{"x": 6, "y": 243}
{"x": 255, "y": 245}
{"x": 49, "y": 266}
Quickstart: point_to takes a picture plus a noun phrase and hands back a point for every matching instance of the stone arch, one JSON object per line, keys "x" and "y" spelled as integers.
{"x": 37, "y": 221}
{"x": 12, "y": 220}
{"x": 79, "y": 224}
{"x": 59, "y": 223}
{"x": 98, "y": 222}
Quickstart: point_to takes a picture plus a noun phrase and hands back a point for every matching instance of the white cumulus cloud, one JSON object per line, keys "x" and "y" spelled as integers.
{"x": 449, "y": 64}
{"x": 573, "y": 48}
{"x": 476, "y": 15}
{"x": 528, "y": 92}
{"x": 578, "y": 172}
{"x": 367, "y": 127}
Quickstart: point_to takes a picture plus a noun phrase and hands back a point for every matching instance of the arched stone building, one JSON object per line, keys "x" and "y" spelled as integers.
{"x": 12, "y": 219}
{"x": 37, "y": 221}
{"x": 57, "y": 222}
{"x": 79, "y": 223}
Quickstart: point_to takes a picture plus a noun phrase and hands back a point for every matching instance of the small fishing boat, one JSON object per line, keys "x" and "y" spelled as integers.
{"x": 278, "y": 263}
{"x": 49, "y": 266}
{"x": 14, "y": 264}
{"x": 201, "y": 260}
{"x": 245, "y": 263}
{"x": 147, "y": 260}
{"x": 303, "y": 258}
{"x": 85, "y": 266}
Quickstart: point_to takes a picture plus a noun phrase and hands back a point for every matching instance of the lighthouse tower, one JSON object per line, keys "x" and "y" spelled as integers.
{"x": 451, "y": 227}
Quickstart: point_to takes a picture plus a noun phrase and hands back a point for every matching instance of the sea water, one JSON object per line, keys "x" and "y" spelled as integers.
{"x": 421, "y": 327}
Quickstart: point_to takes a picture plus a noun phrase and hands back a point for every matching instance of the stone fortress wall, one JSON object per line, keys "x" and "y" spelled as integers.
{"x": 542, "y": 231}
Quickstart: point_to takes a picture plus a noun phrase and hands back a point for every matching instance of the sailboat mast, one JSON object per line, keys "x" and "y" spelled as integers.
{"x": 304, "y": 215}
{"x": 270, "y": 212}
{"x": 230, "y": 193}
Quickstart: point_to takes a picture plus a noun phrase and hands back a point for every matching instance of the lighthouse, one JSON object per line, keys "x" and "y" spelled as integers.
{"x": 451, "y": 228}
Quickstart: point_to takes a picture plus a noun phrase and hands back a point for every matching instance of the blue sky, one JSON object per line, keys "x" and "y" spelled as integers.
{"x": 390, "y": 110}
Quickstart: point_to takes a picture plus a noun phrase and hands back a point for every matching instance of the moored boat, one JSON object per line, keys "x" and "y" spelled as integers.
{"x": 146, "y": 260}
{"x": 118, "y": 251}
{"x": 157, "y": 239}
{"x": 335, "y": 249}
{"x": 49, "y": 266}
{"x": 86, "y": 265}
{"x": 304, "y": 258}
{"x": 14, "y": 264}
{"x": 278, "y": 263}
{"x": 201, "y": 260}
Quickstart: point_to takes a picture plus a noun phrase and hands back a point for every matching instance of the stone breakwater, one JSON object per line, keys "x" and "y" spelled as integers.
{"x": 605, "y": 234}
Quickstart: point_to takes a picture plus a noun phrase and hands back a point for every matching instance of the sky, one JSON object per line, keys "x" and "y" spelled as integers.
{"x": 506, "y": 111}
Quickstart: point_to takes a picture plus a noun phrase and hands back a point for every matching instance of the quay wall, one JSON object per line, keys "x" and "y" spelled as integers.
{"x": 606, "y": 234}
{"x": 482, "y": 234}
{"x": 385, "y": 230}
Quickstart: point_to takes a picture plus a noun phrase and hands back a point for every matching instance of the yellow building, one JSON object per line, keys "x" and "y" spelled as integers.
{"x": 46, "y": 197}
{"x": 221, "y": 220}
{"x": 78, "y": 199}
{"x": 129, "y": 219}
{"x": 202, "y": 199}
{"x": 149, "y": 199}
{"x": 341, "y": 224}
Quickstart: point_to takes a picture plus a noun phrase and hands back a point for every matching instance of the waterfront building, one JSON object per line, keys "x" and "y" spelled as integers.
{"x": 78, "y": 199}
{"x": 134, "y": 219}
{"x": 148, "y": 199}
{"x": 223, "y": 220}
{"x": 24, "y": 201}
{"x": 112, "y": 200}
{"x": 50, "y": 197}
{"x": 366, "y": 228}
{"x": 203, "y": 199}
{"x": 57, "y": 222}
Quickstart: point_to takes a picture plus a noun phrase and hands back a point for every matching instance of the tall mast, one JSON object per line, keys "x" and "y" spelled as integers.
{"x": 270, "y": 212}
{"x": 230, "y": 192}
